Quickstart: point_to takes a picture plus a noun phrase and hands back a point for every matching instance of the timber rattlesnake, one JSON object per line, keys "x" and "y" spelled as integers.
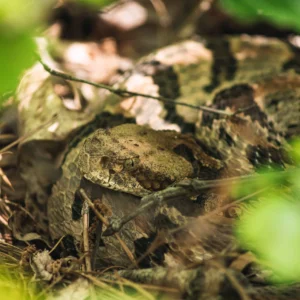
{"x": 252, "y": 74}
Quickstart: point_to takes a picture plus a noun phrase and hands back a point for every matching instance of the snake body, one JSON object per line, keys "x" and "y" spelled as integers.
{"x": 253, "y": 75}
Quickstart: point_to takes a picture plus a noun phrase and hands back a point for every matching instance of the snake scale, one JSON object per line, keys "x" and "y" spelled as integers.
{"x": 256, "y": 76}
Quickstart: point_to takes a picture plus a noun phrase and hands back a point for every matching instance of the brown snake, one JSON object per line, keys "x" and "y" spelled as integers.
{"x": 253, "y": 74}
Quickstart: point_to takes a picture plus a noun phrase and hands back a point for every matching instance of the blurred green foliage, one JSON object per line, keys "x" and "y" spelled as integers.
{"x": 258, "y": 183}
{"x": 272, "y": 231}
{"x": 19, "y": 23}
{"x": 16, "y": 285}
{"x": 270, "y": 226}
{"x": 16, "y": 54}
{"x": 20, "y": 16}
{"x": 282, "y": 13}
{"x": 295, "y": 152}
{"x": 97, "y": 3}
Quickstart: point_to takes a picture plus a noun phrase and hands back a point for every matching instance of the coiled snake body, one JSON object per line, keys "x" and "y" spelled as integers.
{"x": 254, "y": 76}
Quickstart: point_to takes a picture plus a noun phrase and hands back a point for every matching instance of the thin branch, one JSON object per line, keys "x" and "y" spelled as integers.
{"x": 113, "y": 6}
{"x": 24, "y": 137}
{"x": 105, "y": 222}
{"x": 187, "y": 28}
{"x": 189, "y": 188}
{"x": 185, "y": 188}
{"x": 234, "y": 282}
{"x": 158, "y": 241}
{"x": 162, "y": 13}
{"x": 85, "y": 225}
{"x": 5, "y": 179}
{"x": 145, "y": 286}
{"x": 126, "y": 93}
{"x": 18, "y": 206}
{"x": 57, "y": 244}
{"x": 241, "y": 110}
{"x": 96, "y": 244}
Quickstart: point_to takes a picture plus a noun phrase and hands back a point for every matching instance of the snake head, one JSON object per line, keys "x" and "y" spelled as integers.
{"x": 135, "y": 159}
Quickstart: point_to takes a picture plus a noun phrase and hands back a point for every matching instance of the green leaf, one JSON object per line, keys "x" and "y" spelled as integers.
{"x": 272, "y": 231}
{"x": 260, "y": 182}
{"x": 240, "y": 9}
{"x": 16, "y": 54}
{"x": 295, "y": 151}
{"x": 282, "y": 13}
{"x": 18, "y": 21}
{"x": 97, "y": 3}
{"x": 20, "y": 16}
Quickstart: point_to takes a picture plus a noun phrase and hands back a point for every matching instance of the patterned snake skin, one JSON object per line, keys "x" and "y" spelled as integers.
{"x": 253, "y": 74}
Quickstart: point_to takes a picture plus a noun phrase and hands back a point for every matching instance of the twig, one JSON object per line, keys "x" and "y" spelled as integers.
{"x": 105, "y": 222}
{"x": 94, "y": 280}
{"x": 159, "y": 241}
{"x": 162, "y": 12}
{"x": 97, "y": 243}
{"x": 234, "y": 282}
{"x": 85, "y": 225}
{"x": 21, "y": 139}
{"x": 113, "y": 6}
{"x": 187, "y": 28}
{"x": 226, "y": 206}
{"x": 8, "y": 202}
{"x": 5, "y": 179}
{"x": 137, "y": 287}
{"x": 7, "y": 136}
{"x": 244, "y": 109}
{"x": 57, "y": 243}
{"x": 126, "y": 93}
{"x": 178, "y": 279}
{"x": 107, "y": 285}
{"x": 185, "y": 188}
{"x": 146, "y": 286}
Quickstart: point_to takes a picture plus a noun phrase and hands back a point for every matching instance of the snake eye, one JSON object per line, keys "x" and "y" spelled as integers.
{"x": 104, "y": 161}
{"x": 131, "y": 163}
